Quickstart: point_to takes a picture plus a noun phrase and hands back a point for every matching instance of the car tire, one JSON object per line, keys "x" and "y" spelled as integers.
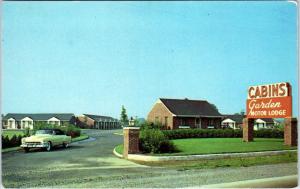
{"x": 65, "y": 145}
{"x": 26, "y": 149}
{"x": 49, "y": 147}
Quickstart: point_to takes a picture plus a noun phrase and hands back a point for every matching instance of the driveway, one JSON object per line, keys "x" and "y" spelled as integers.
{"x": 92, "y": 164}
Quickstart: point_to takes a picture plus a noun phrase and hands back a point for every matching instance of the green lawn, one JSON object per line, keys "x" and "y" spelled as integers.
{"x": 11, "y": 133}
{"x": 226, "y": 145}
{"x": 119, "y": 148}
{"x": 223, "y": 145}
{"x": 226, "y": 162}
{"x": 195, "y": 146}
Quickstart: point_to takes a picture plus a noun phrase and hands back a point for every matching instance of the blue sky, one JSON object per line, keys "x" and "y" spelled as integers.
{"x": 94, "y": 57}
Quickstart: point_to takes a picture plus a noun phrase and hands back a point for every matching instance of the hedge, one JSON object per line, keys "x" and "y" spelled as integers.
{"x": 11, "y": 142}
{"x": 69, "y": 129}
{"x": 220, "y": 133}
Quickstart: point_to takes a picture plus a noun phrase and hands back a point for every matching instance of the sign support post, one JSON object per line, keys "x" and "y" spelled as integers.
{"x": 290, "y": 131}
{"x": 248, "y": 125}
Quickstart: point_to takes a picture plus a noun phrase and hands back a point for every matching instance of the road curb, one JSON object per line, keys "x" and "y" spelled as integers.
{"x": 148, "y": 158}
{"x": 117, "y": 154}
{"x": 290, "y": 181}
{"x": 121, "y": 134}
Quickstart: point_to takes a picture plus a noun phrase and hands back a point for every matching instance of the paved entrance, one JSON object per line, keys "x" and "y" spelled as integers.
{"x": 92, "y": 164}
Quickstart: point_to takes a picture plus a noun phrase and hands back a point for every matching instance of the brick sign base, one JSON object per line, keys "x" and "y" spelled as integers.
{"x": 290, "y": 131}
{"x": 248, "y": 125}
{"x": 131, "y": 140}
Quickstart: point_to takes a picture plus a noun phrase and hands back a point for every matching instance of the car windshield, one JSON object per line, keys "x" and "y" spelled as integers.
{"x": 49, "y": 132}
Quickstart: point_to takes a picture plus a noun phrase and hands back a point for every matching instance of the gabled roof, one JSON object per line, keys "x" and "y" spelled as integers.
{"x": 238, "y": 118}
{"x": 191, "y": 108}
{"x": 40, "y": 117}
{"x": 267, "y": 120}
{"x": 100, "y": 118}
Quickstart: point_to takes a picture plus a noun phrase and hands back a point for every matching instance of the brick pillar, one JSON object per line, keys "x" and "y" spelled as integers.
{"x": 290, "y": 131}
{"x": 131, "y": 140}
{"x": 248, "y": 124}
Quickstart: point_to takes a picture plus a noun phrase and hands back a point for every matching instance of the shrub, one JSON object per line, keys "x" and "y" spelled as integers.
{"x": 27, "y": 132}
{"x": 167, "y": 146}
{"x": 13, "y": 142}
{"x": 72, "y": 131}
{"x": 5, "y": 141}
{"x": 69, "y": 129}
{"x": 151, "y": 125}
{"x": 154, "y": 141}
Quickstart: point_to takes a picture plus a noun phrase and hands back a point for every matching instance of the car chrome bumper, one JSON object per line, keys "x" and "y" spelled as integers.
{"x": 34, "y": 145}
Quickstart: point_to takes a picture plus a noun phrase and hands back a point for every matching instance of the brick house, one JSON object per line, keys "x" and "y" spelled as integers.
{"x": 185, "y": 113}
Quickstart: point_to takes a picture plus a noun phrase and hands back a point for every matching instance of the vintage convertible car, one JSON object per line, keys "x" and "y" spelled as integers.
{"x": 46, "y": 138}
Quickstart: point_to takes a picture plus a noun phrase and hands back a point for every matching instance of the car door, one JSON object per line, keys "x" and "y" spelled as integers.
{"x": 55, "y": 138}
{"x": 61, "y": 137}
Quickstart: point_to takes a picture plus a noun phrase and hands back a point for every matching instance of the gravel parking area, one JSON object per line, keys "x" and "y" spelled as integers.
{"x": 92, "y": 164}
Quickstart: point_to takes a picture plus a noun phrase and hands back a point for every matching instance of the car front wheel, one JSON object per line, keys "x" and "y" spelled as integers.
{"x": 49, "y": 146}
{"x": 26, "y": 149}
{"x": 65, "y": 145}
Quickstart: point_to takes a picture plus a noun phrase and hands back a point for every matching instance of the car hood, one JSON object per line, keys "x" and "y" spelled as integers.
{"x": 37, "y": 138}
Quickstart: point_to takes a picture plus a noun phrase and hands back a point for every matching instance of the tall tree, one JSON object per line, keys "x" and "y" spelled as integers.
{"x": 124, "y": 118}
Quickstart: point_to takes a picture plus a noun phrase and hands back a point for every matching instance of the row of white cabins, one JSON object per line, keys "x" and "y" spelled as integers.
{"x": 22, "y": 121}
{"x": 236, "y": 122}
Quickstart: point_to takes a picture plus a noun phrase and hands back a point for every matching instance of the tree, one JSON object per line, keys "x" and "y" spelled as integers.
{"x": 124, "y": 118}
{"x": 215, "y": 107}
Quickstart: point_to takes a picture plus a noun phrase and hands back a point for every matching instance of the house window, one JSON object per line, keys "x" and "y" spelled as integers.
{"x": 156, "y": 119}
{"x": 211, "y": 124}
{"x": 183, "y": 121}
{"x": 166, "y": 121}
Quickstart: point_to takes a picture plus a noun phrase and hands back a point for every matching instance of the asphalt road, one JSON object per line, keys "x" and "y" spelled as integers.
{"x": 91, "y": 164}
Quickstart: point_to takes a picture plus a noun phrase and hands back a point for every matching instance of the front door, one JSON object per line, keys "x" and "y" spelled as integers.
{"x": 198, "y": 123}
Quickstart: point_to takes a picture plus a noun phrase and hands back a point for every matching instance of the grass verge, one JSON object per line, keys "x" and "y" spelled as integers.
{"x": 195, "y": 146}
{"x": 226, "y": 162}
{"x": 10, "y": 149}
{"x": 119, "y": 148}
{"x": 81, "y": 137}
